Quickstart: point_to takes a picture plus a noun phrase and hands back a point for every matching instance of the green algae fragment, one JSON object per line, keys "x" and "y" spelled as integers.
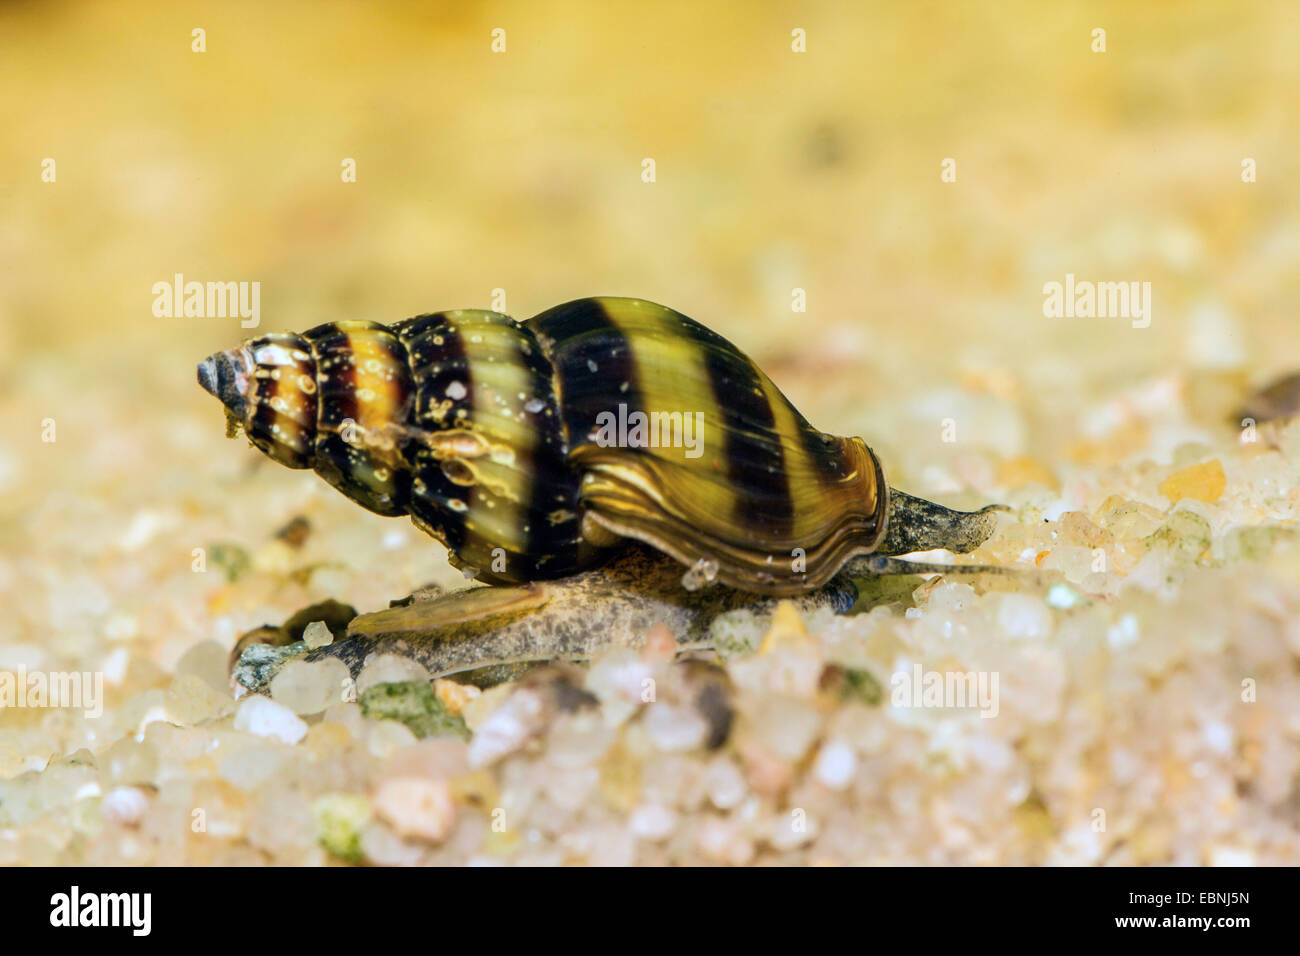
{"x": 1185, "y": 533}
{"x": 1252, "y": 543}
{"x": 856, "y": 683}
{"x": 258, "y": 663}
{"x": 340, "y": 818}
{"x": 414, "y": 704}
{"x": 737, "y": 633}
{"x": 231, "y": 559}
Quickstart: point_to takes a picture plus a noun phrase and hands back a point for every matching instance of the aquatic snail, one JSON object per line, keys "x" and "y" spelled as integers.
{"x": 534, "y": 450}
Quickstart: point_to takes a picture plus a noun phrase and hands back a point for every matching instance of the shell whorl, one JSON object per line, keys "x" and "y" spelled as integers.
{"x": 770, "y": 504}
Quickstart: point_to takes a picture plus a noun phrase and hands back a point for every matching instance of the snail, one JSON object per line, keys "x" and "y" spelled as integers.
{"x": 538, "y": 451}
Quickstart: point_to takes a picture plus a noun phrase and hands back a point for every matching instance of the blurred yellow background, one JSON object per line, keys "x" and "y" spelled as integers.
{"x": 522, "y": 170}
{"x": 138, "y": 543}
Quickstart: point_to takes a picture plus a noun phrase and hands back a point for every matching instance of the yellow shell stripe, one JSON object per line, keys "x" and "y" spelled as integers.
{"x": 501, "y": 385}
{"x": 375, "y": 378}
{"x": 670, "y": 375}
{"x": 801, "y": 469}
{"x": 766, "y": 483}
{"x": 285, "y": 386}
{"x": 824, "y": 482}
{"x": 836, "y": 489}
{"x": 379, "y": 395}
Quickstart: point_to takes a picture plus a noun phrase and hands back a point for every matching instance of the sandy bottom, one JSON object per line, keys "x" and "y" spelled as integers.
{"x": 1130, "y": 697}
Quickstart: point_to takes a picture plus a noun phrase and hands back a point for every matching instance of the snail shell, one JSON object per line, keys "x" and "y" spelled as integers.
{"x": 495, "y": 436}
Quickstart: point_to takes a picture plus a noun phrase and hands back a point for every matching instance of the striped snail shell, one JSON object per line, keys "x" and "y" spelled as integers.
{"x": 530, "y": 449}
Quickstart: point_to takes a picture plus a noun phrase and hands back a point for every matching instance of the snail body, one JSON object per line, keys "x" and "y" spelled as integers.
{"x": 533, "y": 449}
